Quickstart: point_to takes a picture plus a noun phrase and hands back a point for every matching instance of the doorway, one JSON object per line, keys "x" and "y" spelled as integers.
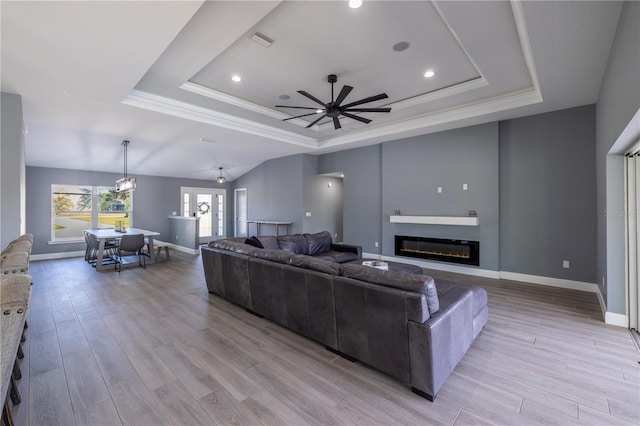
{"x": 209, "y": 205}
{"x": 240, "y": 212}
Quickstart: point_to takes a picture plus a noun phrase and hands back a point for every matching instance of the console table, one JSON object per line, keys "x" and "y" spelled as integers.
{"x": 277, "y": 224}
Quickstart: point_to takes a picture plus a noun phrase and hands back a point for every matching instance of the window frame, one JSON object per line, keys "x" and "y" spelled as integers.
{"x": 94, "y": 223}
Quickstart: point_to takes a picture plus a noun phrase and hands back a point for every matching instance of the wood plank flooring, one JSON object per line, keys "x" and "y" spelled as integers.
{"x": 152, "y": 347}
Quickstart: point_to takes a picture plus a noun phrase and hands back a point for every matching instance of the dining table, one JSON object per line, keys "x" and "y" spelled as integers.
{"x": 111, "y": 234}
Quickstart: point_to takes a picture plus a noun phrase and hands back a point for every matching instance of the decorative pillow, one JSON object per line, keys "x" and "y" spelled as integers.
{"x": 318, "y": 243}
{"x": 254, "y": 241}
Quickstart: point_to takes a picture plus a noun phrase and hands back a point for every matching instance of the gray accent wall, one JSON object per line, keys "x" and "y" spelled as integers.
{"x": 362, "y": 193}
{"x": 274, "y": 192}
{"x": 284, "y": 189}
{"x": 618, "y": 101}
{"x": 12, "y": 169}
{"x": 153, "y": 201}
{"x": 548, "y": 194}
{"x": 322, "y": 198}
{"x": 414, "y": 168}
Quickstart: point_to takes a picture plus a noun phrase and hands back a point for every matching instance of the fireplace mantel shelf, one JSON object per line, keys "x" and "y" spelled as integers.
{"x": 436, "y": 220}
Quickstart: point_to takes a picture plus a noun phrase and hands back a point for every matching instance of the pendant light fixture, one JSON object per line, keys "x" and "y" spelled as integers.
{"x": 221, "y": 179}
{"x": 126, "y": 183}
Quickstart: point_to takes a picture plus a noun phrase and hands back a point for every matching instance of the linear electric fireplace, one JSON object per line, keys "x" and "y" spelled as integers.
{"x": 455, "y": 251}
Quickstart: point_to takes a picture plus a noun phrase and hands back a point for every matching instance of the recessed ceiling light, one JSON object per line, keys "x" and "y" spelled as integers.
{"x": 400, "y": 46}
{"x": 354, "y": 4}
{"x": 429, "y": 73}
{"x": 236, "y": 78}
{"x": 285, "y": 97}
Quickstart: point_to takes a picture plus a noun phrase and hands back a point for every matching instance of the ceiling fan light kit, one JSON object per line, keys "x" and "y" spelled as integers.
{"x": 335, "y": 109}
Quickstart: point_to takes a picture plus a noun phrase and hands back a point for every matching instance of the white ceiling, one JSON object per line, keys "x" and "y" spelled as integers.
{"x": 159, "y": 74}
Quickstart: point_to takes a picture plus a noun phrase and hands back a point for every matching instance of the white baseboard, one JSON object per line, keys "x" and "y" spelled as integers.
{"x": 184, "y": 249}
{"x": 616, "y": 319}
{"x": 476, "y": 272}
{"x": 552, "y": 282}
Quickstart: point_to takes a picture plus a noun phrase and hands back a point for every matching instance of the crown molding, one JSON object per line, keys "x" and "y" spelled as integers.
{"x": 188, "y": 111}
{"x": 476, "y": 109}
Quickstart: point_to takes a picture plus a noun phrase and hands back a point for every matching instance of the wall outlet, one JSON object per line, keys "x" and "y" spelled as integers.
{"x": 335, "y": 236}
{"x": 308, "y": 214}
{"x": 174, "y": 213}
{"x": 439, "y": 190}
{"x": 465, "y": 186}
{"x": 565, "y": 264}
{"x": 376, "y": 244}
{"x": 176, "y": 237}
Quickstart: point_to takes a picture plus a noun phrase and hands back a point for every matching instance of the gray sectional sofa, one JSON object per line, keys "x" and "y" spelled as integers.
{"x": 406, "y": 325}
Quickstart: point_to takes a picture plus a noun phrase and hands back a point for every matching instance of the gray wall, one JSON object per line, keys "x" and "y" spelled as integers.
{"x": 153, "y": 201}
{"x": 413, "y": 169}
{"x": 362, "y": 193}
{"x": 322, "y": 197}
{"x": 12, "y": 169}
{"x": 274, "y": 192}
{"x": 548, "y": 194}
{"x": 284, "y": 189}
{"x": 618, "y": 101}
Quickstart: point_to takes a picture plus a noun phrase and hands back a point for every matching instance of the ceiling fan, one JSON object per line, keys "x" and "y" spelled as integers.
{"x": 334, "y": 109}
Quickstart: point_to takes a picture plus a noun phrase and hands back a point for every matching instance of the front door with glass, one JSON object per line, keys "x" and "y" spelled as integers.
{"x": 209, "y": 205}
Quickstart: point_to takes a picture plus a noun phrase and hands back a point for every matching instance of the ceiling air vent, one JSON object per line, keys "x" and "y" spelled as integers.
{"x": 262, "y": 39}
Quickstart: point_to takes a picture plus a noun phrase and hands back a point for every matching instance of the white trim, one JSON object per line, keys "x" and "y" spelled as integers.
{"x": 232, "y": 100}
{"x": 188, "y": 111}
{"x": 549, "y": 281}
{"x": 58, "y": 255}
{"x": 525, "y": 44}
{"x": 436, "y": 220}
{"x": 619, "y": 320}
{"x": 184, "y": 249}
{"x": 628, "y": 137}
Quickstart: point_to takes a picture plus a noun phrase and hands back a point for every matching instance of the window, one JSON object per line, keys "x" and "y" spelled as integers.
{"x": 75, "y": 208}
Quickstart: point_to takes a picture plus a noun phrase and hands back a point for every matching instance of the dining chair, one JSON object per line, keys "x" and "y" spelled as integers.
{"x": 93, "y": 246}
{"x": 131, "y": 245}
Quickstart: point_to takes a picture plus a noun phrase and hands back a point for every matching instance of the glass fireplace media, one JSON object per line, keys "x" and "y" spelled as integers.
{"x": 445, "y": 250}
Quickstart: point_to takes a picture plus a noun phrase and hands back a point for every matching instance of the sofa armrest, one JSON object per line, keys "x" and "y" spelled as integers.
{"x": 350, "y": 248}
{"x": 436, "y": 346}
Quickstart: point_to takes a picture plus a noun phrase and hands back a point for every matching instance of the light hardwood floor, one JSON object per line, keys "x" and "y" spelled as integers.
{"x": 152, "y": 347}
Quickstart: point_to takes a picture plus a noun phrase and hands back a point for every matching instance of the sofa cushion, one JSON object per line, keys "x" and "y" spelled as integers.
{"x": 254, "y": 241}
{"x": 479, "y": 294}
{"x": 269, "y": 242}
{"x": 293, "y": 243}
{"x": 318, "y": 243}
{"x": 315, "y": 264}
{"x": 278, "y": 256}
{"x": 338, "y": 256}
{"x": 404, "y": 281}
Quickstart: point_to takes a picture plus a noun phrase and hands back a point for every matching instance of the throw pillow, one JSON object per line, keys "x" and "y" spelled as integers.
{"x": 318, "y": 243}
{"x": 254, "y": 241}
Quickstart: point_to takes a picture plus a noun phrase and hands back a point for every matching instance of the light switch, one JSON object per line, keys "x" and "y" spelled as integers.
{"x": 308, "y": 214}
{"x": 439, "y": 190}
{"x": 465, "y": 186}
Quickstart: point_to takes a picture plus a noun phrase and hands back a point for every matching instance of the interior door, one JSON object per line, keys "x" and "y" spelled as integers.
{"x": 209, "y": 205}
{"x": 240, "y": 210}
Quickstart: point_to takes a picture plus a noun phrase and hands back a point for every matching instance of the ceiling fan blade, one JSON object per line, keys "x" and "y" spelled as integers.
{"x": 368, "y": 110}
{"x": 336, "y": 123}
{"x": 355, "y": 117}
{"x": 343, "y": 94}
{"x": 313, "y": 98}
{"x": 298, "y": 116}
{"x": 296, "y": 107}
{"x": 311, "y": 125}
{"x": 366, "y": 100}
